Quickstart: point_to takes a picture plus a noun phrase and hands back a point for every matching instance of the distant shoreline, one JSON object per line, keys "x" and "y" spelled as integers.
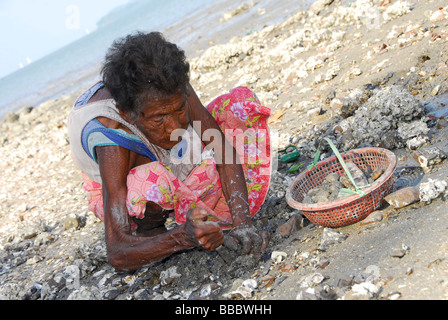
{"x": 194, "y": 34}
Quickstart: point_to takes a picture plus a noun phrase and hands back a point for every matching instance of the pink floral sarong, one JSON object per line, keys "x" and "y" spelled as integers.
{"x": 243, "y": 120}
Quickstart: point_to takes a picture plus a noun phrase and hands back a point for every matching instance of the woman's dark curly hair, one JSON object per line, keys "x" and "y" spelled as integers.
{"x": 144, "y": 64}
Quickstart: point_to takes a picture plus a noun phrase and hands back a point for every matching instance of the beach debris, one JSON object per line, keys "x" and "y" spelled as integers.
{"x": 35, "y": 292}
{"x": 439, "y": 15}
{"x": 417, "y": 142}
{"x": 289, "y": 154}
{"x": 413, "y": 133}
{"x": 11, "y": 117}
{"x": 403, "y": 197}
{"x": 346, "y": 281}
{"x": 349, "y": 104}
{"x": 376, "y": 174}
{"x": 375, "y": 216}
{"x": 331, "y": 187}
{"x": 432, "y": 189}
{"x": 28, "y": 231}
{"x": 276, "y": 116}
{"x": 357, "y": 174}
{"x": 323, "y": 263}
{"x": 433, "y": 263}
{"x": 72, "y": 276}
{"x": 324, "y": 292}
{"x": 224, "y": 251}
{"x": 85, "y": 293}
{"x": 295, "y": 223}
{"x": 204, "y": 292}
{"x": 242, "y": 289}
{"x": 435, "y": 90}
{"x": 168, "y": 276}
{"x": 279, "y": 184}
{"x": 308, "y": 294}
{"x": 364, "y": 286}
{"x": 272, "y": 282}
{"x": 316, "y": 278}
{"x": 330, "y": 237}
{"x": 400, "y": 251}
{"x": 207, "y": 289}
{"x": 312, "y": 280}
{"x": 310, "y": 288}
{"x": 240, "y": 9}
{"x": 71, "y": 222}
{"x": 442, "y": 123}
{"x": 428, "y": 157}
{"x": 409, "y": 176}
{"x": 278, "y": 256}
{"x": 396, "y": 9}
{"x": 380, "y": 48}
{"x": 384, "y": 120}
{"x": 362, "y": 291}
{"x": 394, "y": 295}
{"x": 303, "y": 256}
{"x": 287, "y": 267}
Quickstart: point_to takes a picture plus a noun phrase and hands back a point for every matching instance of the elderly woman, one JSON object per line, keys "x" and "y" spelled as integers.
{"x": 149, "y": 149}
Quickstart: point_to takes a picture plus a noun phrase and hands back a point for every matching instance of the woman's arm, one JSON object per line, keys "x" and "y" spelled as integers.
{"x": 128, "y": 252}
{"x": 232, "y": 178}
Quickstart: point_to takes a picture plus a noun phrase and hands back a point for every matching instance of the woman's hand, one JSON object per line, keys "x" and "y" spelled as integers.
{"x": 247, "y": 240}
{"x": 201, "y": 233}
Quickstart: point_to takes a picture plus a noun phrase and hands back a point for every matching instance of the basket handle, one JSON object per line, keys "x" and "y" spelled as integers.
{"x": 341, "y": 161}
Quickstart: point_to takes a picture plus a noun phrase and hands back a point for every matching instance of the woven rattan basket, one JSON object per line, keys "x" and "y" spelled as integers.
{"x": 353, "y": 208}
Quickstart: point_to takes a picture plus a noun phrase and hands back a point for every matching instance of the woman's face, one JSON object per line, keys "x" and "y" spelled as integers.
{"x": 159, "y": 118}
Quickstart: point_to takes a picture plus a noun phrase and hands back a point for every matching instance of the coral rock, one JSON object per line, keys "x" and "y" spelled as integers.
{"x": 429, "y": 156}
{"x": 294, "y": 224}
{"x": 403, "y": 197}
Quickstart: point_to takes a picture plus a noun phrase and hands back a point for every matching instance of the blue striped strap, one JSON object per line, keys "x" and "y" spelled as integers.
{"x": 95, "y": 134}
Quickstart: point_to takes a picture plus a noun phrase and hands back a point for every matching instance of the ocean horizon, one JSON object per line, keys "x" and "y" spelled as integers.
{"x": 191, "y": 24}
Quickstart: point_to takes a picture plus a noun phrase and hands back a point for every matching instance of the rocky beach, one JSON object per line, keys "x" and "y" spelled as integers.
{"x": 363, "y": 74}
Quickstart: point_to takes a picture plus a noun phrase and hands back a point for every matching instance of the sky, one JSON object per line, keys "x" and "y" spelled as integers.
{"x": 30, "y": 29}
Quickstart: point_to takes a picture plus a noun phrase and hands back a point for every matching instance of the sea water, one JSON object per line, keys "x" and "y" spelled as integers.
{"x": 192, "y": 24}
